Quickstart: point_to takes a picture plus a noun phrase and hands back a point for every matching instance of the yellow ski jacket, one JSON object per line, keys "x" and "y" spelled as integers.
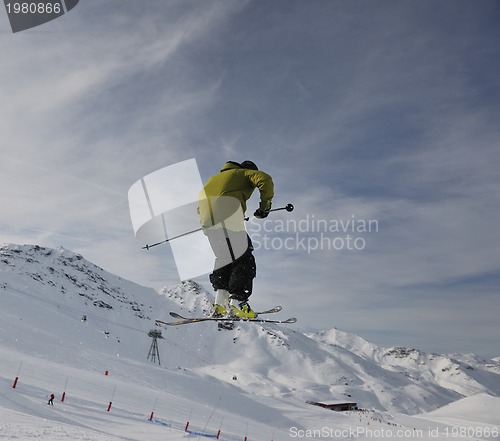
{"x": 238, "y": 183}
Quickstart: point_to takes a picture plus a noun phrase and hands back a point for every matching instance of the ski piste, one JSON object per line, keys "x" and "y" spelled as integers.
{"x": 187, "y": 320}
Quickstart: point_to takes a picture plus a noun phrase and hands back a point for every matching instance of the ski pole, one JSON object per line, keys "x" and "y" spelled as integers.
{"x": 287, "y": 207}
{"x": 147, "y": 247}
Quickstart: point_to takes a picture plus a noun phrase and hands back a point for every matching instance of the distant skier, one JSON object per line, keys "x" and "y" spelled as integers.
{"x": 51, "y": 400}
{"x": 222, "y": 209}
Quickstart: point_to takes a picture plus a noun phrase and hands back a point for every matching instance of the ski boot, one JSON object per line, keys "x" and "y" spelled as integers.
{"x": 221, "y": 304}
{"x": 241, "y": 310}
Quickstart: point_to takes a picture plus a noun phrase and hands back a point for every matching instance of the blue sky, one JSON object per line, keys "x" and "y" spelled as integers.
{"x": 368, "y": 110}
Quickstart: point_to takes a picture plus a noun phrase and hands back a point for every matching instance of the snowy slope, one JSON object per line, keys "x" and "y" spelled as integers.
{"x": 252, "y": 381}
{"x": 427, "y": 379}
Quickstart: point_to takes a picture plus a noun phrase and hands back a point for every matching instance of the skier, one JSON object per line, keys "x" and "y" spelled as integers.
{"x": 51, "y": 400}
{"x": 222, "y": 209}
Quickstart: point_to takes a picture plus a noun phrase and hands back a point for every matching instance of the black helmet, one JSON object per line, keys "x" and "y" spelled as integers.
{"x": 249, "y": 164}
{"x": 237, "y": 164}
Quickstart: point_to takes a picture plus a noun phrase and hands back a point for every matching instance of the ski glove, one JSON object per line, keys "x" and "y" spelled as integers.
{"x": 263, "y": 211}
{"x": 261, "y": 214}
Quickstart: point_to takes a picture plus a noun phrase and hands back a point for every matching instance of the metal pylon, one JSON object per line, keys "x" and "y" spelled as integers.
{"x": 154, "y": 353}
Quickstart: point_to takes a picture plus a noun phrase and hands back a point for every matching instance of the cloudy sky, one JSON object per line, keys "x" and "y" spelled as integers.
{"x": 377, "y": 114}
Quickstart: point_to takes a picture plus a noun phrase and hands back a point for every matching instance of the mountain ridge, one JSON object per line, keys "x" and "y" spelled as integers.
{"x": 268, "y": 361}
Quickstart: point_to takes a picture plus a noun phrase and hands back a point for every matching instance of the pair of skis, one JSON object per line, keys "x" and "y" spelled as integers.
{"x": 181, "y": 320}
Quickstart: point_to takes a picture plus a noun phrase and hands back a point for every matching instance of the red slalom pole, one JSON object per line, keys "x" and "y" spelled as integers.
{"x": 17, "y": 376}
{"x": 64, "y": 391}
{"x": 187, "y": 424}
{"x": 153, "y": 411}
{"x": 112, "y": 396}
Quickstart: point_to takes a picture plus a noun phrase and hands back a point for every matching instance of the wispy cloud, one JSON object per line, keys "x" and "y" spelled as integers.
{"x": 382, "y": 111}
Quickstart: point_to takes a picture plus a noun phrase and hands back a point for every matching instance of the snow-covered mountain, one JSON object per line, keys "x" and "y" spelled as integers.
{"x": 64, "y": 320}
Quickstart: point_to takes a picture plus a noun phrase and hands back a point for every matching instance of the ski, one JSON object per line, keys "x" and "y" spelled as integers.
{"x": 267, "y": 311}
{"x": 182, "y": 320}
{"x": 187, "y": 321}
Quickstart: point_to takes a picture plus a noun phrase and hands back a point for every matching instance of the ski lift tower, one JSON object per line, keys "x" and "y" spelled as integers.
{"x": 154, "y": 353}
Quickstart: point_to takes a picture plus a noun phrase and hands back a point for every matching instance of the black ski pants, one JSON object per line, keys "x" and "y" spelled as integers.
{"x": 234, "y": 268}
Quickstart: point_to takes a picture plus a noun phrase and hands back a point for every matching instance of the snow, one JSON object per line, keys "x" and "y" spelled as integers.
{"x": 254, "y": 381}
